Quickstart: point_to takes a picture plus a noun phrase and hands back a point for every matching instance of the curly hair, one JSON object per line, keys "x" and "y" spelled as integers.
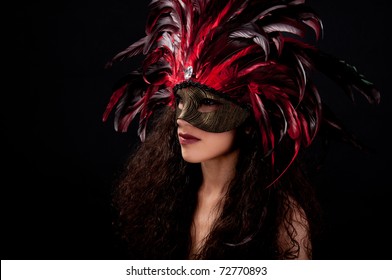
{"x": 156, "y": 197}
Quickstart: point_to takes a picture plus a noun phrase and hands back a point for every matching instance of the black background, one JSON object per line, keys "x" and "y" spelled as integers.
{"x": 59, "y": 159}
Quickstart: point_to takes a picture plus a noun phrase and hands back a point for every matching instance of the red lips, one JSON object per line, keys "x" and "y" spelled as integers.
{"x": 186, "y": 138}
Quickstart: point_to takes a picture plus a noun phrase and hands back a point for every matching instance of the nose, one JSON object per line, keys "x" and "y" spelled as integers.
{"x": 181, "y": 122}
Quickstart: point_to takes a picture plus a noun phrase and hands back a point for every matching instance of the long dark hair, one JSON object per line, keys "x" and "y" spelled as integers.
{"x": 156, "y": 195}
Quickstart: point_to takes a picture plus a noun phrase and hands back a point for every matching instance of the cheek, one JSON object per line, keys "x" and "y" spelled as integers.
{"x": 220, "y": 143}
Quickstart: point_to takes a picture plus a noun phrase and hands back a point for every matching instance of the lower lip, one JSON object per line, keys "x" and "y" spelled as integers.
{"x": 186, "y": 141}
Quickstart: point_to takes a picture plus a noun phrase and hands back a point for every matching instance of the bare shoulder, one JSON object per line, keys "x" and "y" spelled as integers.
{"x": 294, "y": 235}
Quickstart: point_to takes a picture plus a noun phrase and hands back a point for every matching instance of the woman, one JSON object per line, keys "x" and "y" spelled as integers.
{"x": 218, "y": 174}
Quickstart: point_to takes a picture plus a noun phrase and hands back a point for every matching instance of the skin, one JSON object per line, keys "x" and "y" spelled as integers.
{"x": 215, "y": 153}
{"x": 217, "y": 156}
{"x": 299, "y": 223}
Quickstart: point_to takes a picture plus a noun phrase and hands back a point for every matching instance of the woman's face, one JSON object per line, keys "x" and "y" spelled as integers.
{"x": 207, "y": 124}
{"x": 200, "y": 146}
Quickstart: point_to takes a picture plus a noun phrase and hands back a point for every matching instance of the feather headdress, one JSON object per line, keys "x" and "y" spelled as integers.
{"x": 256, "y": 52}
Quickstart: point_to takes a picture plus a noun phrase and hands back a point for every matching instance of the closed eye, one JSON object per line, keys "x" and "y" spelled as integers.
{"x": 209, "y": 102}
{"x": 208, "y": 105}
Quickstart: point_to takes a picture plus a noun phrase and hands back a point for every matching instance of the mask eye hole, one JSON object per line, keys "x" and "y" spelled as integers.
{"x": 208, "y": 105}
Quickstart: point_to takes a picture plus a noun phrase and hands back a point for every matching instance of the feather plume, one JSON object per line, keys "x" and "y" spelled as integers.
{"x": 257, "y": 52}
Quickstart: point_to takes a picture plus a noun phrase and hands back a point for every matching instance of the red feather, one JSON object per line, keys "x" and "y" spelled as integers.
{"x": 257, "y": 52}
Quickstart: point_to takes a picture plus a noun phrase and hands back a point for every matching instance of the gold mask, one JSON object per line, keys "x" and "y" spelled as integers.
{"x": 202, "y": 108}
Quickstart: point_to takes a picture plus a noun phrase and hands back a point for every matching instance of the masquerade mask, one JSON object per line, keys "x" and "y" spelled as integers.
{"x": 205, "y": 109}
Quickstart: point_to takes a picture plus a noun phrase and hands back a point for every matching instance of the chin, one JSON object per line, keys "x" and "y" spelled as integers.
{"x": 191, "y": 158}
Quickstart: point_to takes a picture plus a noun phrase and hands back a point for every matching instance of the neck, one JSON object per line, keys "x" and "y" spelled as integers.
{"x": 218, "y": 172}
